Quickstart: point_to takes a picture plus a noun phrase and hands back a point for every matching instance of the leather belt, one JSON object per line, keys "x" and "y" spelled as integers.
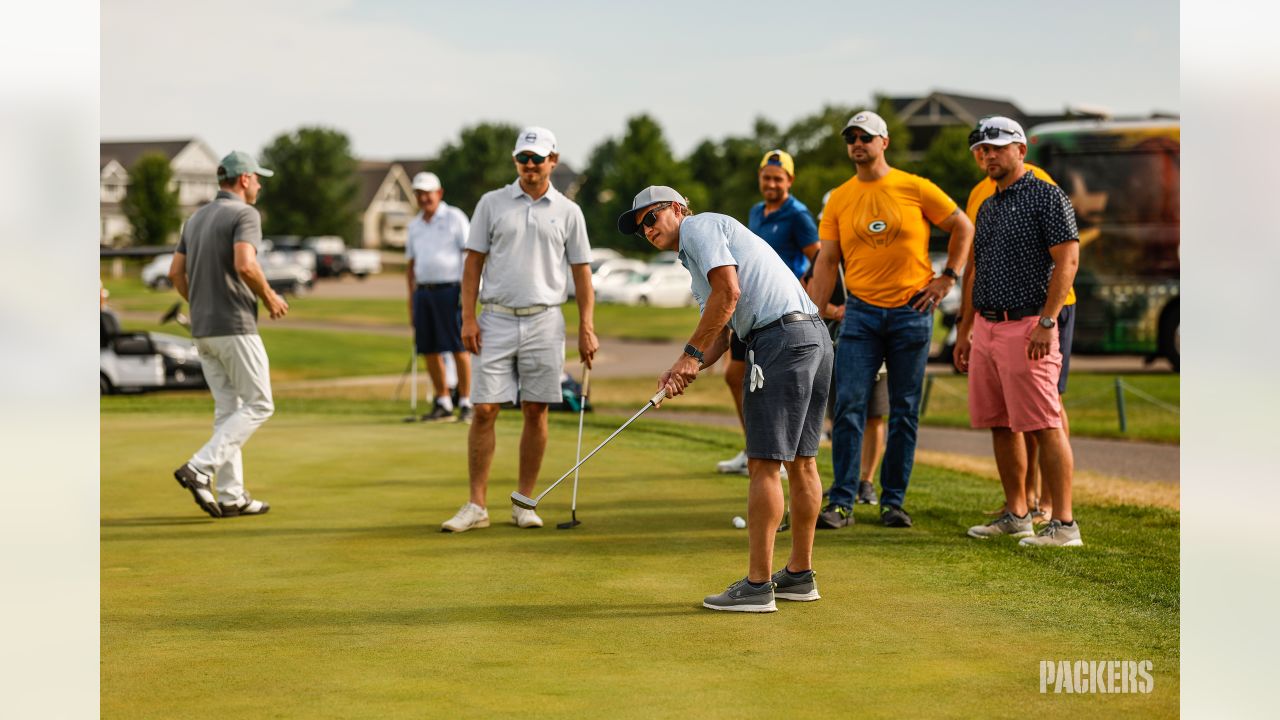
{"x": 1003, "y": 315}
{"x": 437, "y": 286}
{"x": 518, "y": 312}
{"x": 788, "y": 318}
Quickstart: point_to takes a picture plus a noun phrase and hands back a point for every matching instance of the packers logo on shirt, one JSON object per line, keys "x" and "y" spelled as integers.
{"x": 877, "y": 219}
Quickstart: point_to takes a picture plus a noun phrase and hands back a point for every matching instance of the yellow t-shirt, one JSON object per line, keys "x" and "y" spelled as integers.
{"x": 883, "y": 230}
{"x": 987, "y": 187}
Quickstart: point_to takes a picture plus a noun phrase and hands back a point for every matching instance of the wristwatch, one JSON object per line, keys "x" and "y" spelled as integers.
{"x": 1047, "y": 322}
{"x": 693, "y": 352}
{"x": 950, "y": 273}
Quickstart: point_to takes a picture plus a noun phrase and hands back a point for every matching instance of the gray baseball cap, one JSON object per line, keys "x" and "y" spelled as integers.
{"x": 240, "y": 163}
{"x": 651, "y": 195}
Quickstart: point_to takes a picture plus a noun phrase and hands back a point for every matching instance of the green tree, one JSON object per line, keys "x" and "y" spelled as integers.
{"x": 618, "y": 169}
{"x": 478, "y": 162}
{"x": 727, "y": 169}
{"x": 150, "y": 204}
{"x": 822, "y": 157}
{"x": 315, "y": 189}
{"x": 949, "y": 164}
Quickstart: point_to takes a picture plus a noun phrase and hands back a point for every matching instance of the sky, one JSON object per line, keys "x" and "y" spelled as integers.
{"x": 402, "y": 78}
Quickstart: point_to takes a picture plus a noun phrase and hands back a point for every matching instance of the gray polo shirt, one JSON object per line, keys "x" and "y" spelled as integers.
{"x": 768, "y": 288}
{"x": 528, "y": 243}
{"x": 221, "y": 303}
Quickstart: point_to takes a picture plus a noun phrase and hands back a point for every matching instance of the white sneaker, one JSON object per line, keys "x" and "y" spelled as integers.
{"x": 469, "y": 517}
{"x": 524, "y": 517}
{"x": 736, "y": 465}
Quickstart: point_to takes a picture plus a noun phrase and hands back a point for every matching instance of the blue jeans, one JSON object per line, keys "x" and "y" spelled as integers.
{"x": 898, "y": 337}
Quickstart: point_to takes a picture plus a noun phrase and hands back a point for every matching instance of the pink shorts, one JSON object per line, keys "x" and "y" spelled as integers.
{"x": 1006, "y": 388}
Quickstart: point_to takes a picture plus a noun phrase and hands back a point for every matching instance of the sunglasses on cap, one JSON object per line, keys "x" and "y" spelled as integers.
{"x": 990, "y": 133}
{"x": 850, "y": 137}
{"x": 651, "y": 218}
{"x": 525, "y": 157}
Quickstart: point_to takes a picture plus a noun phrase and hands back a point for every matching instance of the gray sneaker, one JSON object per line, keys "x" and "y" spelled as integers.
{"x": 741, "y": 597}
{"x": 834, "y": 516}
{"x": 802, "y": 587}
{"x": 867, "y": 494}
{"x": 1006, "y": 524}
{"x": 1055, "y": 534}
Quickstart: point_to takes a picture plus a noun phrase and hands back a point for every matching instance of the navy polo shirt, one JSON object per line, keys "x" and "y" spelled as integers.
{"x": 788, "y": 230}
{"x": 1014, "y": 230}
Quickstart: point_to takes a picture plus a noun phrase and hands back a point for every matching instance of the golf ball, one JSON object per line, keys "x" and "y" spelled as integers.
{"x": 738, "y": 522}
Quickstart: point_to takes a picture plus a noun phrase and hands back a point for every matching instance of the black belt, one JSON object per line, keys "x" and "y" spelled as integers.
{"x": 788, "y": 318}
{"x": 1014, "y": 314}
{"x": 437, "y": 286}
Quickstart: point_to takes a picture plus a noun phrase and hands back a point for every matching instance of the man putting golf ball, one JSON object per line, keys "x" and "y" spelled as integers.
{"x": 741, "y": 283}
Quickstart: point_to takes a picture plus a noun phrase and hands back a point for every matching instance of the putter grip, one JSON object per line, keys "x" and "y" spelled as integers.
{"x": 659, "y": 396}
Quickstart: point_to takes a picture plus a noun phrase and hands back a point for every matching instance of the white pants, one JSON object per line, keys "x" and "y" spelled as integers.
{"x": 236, "y": 369}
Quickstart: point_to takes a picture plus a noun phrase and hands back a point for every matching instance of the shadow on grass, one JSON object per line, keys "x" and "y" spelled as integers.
{"x": 154, "y": 521}
{"x": 277, "y": 619}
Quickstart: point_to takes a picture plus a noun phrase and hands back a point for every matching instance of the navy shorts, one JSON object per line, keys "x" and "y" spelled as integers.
{"x": 783, "y": 417}
{"x": 737, "y": 348}
{"x": 1066, "y": 331}
{"x": 437, "y": 319}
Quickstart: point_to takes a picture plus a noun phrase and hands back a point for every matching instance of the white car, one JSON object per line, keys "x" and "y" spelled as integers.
{"x": 616, "y": 272}
{"x": 155, "y": 274}
{"x": 600, "y": 256}
{"x": 363, "y": 262}
{"x": 665, "y": 287}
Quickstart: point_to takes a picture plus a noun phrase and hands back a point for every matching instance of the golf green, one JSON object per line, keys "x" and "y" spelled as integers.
{"x": 345, "y": 601}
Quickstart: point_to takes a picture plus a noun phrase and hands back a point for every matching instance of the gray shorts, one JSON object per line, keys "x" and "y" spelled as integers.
{"x": 783, "y": 417}
{"x": 524, "y": 354}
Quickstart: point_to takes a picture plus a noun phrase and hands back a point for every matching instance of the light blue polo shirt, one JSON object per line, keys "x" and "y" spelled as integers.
{"x": 789, "y": 230}
{"x": 769, "y": 290}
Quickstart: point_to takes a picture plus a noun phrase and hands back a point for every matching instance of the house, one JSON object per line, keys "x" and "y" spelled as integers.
{"x": 194, "y": 166}
{"x": 926, "y": 116}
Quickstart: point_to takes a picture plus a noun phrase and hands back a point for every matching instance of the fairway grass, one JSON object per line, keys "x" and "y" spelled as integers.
{"x": 345, "y": 601}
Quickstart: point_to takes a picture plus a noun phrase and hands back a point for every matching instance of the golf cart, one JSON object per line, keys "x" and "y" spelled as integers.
{"x": 137, "y": 361}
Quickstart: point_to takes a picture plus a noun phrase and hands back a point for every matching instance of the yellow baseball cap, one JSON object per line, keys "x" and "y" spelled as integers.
{"x": 780, "y": 158}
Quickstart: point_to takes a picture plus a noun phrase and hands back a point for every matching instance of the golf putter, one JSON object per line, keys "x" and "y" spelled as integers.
{"x": 582, "y": 411}
{"x": 413, "y": 383}
{"x": 529, "y": 503}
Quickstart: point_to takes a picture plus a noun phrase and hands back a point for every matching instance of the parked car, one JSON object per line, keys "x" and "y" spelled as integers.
{"x": 664, "y": 287}
{"x": 599, "y": 256}
{"x": 331, "y": 254}
{"x": 666, "y": 257}
{"x": 615, "y": 273}
{"x": 290, "y": 246}
{"x": 155, "y": 274}
{"x": 362, "y": 263}
{"x": 135, "y": 361}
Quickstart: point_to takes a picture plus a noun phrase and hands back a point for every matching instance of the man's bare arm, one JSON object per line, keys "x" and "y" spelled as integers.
{"x": 247, "y": 267}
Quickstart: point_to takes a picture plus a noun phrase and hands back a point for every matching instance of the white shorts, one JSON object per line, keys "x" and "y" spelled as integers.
{"x": 524, "y": 354}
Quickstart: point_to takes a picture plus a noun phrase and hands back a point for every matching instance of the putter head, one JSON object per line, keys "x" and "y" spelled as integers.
{"x": 411, "y": 418}
{"x": 568, "y": 524}
{"x": 524, "y": 501}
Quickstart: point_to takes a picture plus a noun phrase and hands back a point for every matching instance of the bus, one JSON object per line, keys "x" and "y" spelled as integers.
{"x": 1123, "y": 179}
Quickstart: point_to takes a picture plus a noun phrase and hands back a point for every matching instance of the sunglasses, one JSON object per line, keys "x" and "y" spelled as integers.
{"x": 651, "y": 218}
{"x": 523, "y": 158}
{"x": 990, "y": 133}
{"x": 851, "y": 137}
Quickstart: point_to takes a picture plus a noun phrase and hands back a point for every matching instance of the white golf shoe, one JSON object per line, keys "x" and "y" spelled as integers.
{"x": 469, "y": 517}
{"x": 734, "y": 465}
{"x": 524, "y": 517}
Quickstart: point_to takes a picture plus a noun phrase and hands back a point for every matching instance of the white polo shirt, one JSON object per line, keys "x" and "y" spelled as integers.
{"x": 437, "y": 246}
{"x": 528, "y": 243}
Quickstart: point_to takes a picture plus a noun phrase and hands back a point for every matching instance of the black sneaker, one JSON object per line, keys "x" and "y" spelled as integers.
{"x": 894, "y": 516}
{"x": 200, "y": 486}
{"x": 866, "y": 494}
{"x": 465, "y": 412}
{"x": 835, "y": 516}
{"x": 244, "y": 506}
{"x": 800, "y": 587}
{"x": 439, "y": 414}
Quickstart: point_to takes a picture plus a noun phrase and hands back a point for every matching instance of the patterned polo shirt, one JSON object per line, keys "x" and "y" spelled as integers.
{"x": 1015, "y": 229}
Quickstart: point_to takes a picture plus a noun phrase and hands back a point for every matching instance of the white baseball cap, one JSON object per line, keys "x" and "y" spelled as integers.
{"x": 537, "y": 140}
{"x": 869, "y": 121}
{"x": 996, "y": 130}
{"x": 426, "y": 181}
